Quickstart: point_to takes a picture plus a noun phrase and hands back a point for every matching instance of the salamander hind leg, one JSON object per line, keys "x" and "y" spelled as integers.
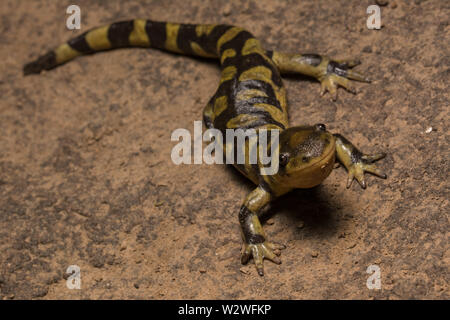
{"x": 356, "y": 162}
{"x": 255, "y": 244}
{"x": 331, "y": 73}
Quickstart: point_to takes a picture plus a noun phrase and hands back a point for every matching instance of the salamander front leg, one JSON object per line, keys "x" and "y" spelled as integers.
{"x": 356, "y": 162}
{"x": 333, "y": 73}
{"x": 330, "y": 73}
{"x": 255, "y": 244}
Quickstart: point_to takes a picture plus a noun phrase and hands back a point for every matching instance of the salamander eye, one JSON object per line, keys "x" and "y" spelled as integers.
{"x": 320, "y": 127}
{"x": 284, "y": 159}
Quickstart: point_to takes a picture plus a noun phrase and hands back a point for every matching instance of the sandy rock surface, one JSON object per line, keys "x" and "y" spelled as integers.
{"x": 86, "y": 177}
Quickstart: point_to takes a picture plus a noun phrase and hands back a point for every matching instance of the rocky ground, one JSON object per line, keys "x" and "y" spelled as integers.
{"x": 86, "y": 177}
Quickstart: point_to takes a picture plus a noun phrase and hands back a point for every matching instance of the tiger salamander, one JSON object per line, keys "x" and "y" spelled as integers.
{"x": 250, "y": 95}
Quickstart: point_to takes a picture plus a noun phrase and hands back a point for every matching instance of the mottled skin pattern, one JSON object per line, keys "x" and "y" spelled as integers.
{"x": 250, "y": 96}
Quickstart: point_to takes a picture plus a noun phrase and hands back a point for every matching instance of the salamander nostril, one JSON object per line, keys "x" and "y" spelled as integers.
{"x": 320, "y": 127}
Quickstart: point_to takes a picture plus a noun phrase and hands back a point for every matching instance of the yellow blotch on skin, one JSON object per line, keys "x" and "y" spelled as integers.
{"x": 97, "y": 39}
{"x": 265, "y": 74}
{"x": 257, "y": 73}
{"x": 228, "y": 73}
{"x": 242, "y": 120}
{"x": 252, "y": 45}
{"x": 220, "y": 105}
{"x": 274, "y": 112}
{"x": 65, "y": 53}
{"x": 138, "y": 36}
{"x": 208, "y": 111}
{"x": 227, "y": 36}
{"x": 171, "y": 37}
{"x": 200, "y": 52}
{"x": 251, "y": 93}
{"x": 229, "y": 53}
{"x": 204, "y": 29}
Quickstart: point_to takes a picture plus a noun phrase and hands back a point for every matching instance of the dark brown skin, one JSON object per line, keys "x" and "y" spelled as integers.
{"x": 250, "y": 95}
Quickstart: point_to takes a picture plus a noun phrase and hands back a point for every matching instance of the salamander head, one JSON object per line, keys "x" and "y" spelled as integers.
{"x": 307, "y": 155}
